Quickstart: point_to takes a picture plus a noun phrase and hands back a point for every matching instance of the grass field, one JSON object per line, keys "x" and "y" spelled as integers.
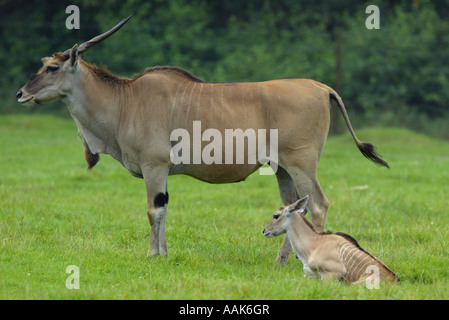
{"x": 54, "y": 213}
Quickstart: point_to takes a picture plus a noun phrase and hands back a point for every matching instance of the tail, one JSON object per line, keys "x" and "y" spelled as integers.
{"x": 367, "y": 149}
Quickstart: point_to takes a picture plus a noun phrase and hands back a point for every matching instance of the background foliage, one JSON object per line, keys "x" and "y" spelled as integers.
{"x": 397, "y": 75}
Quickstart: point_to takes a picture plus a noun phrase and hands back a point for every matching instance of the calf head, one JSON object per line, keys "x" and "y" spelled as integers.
{"x": 281, "y": 218}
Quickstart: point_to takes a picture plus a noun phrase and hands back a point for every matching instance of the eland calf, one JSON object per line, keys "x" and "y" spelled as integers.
{"x": 325, "y": 255}
{"x": 132, "y": 119}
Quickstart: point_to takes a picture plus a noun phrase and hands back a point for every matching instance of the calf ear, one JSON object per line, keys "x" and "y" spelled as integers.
{"x": 299, "y": 206}
{"x": 74, "y": 56}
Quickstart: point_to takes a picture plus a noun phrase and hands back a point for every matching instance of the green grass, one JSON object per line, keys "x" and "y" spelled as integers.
{"x": 54, "y": 213}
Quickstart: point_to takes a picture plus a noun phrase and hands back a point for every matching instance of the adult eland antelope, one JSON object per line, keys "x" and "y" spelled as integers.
{"x": 131, "y": 119}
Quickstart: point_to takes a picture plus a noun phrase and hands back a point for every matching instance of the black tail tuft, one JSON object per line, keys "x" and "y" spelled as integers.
{"x": 368, "y": 150}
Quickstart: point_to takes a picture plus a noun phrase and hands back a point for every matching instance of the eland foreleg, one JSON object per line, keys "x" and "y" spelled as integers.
{"x": 157, "y": 195}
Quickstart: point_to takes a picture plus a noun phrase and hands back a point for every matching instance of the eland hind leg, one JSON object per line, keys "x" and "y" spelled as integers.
{"x": 303, "y": 171}
{"x": 306, "y": 183}
{"x": 289, "y": 195}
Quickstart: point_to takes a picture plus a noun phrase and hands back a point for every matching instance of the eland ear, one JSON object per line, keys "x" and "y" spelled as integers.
{"x": 300, "y": 205}
{"x": 73, "y": 55}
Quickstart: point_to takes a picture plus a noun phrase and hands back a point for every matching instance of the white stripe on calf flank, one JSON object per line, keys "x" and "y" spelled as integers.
{"x": 359, "y": 268}
{"x": 364, "y": 267}
{"x": 356, "y": 267}
{"x": 345, "y": 246}
{"x": 356, "y": 255}
{"x": 348, "y": 265}
{"x": 352, "y": 256}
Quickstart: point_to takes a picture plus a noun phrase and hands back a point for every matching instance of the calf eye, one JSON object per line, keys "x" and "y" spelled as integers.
{"x": 52, "y": 69}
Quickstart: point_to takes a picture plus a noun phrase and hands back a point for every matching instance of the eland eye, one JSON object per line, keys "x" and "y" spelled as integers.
{"x": 52, "y": 69}
{"x": 276, "y": 216}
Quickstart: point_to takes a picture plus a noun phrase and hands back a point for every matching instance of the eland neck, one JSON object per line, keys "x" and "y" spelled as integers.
{"x": 95, "y": 102}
